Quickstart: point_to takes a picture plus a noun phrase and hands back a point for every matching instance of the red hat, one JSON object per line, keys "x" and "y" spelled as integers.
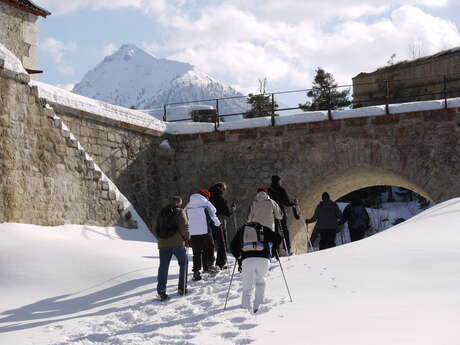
{"x": 205, "y": 193}
{"x": 265, "y": 190}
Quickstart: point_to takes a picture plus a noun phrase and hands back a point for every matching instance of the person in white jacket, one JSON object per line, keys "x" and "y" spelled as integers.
{"x": 201, "y": 218}
{"x": 264, "y": 210}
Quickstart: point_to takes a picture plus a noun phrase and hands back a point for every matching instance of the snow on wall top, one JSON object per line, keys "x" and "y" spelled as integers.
{"x": 90, "y": 105}
{"x": 11, "y": 62}
{"x": 139, "y": 118}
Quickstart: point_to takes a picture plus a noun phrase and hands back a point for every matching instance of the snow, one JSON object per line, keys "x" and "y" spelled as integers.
{"x": 114, "y": 112}
{"x": 11, "y": 62}
{"x": 86, "y": 285}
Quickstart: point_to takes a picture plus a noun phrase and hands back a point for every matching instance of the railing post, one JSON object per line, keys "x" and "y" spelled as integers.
{"x": 445, "y": 91}
{"x": 329, "y": 101}
{"x": 164, "y": 112}
{"x": 273, "y": 110}
{"x": 387, "y": 97}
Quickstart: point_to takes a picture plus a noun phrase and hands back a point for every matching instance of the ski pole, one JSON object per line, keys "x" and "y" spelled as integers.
{"x": 229, "y": 285}
{"x": 309, "y": 244}
{"x": 285, "y": 281}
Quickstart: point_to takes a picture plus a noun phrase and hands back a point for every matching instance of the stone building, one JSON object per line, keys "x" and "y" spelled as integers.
{"x": 19, "y": 30}
{"x": 417, "y": 80}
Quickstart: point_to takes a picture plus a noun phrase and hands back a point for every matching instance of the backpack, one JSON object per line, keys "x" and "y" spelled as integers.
{"x": 166, "y": 223}
{"x": 252, "y": 238}
{"x": 359, "y": 217}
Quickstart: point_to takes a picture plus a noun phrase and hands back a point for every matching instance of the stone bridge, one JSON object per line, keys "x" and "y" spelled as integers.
{"x": 417, "y": 150}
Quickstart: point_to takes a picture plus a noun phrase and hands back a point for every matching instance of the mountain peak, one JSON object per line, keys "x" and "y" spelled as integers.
{"x": 133, "y": 77}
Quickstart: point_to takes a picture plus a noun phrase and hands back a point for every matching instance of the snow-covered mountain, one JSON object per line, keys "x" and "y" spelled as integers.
{"x": 132, "y": 77}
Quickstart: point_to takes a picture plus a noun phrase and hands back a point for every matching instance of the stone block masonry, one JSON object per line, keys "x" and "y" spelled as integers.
{"x": 45, "y": 178}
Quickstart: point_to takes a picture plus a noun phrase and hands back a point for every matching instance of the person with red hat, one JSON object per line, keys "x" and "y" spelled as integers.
{"x": 202, "y": 218}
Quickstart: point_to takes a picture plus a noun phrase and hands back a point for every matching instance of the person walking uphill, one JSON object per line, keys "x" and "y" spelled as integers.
{"x": 252, "y": 244}
{"x": 358, "y": 219}
{"x": 328, "y": 216}
{"x": 202, "y": 218}
{"x": 171, "y": 231}
{"x": 223, "y": 211}
{"x": 280, "y": 196}
{"x": 264, "y": 210}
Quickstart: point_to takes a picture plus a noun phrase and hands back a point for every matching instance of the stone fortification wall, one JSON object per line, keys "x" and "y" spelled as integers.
{"x": 131, "y": 156}
{"x": 45, "y": 178}
{"x": 418, "y": 150}
{"x": 18, "y": 32}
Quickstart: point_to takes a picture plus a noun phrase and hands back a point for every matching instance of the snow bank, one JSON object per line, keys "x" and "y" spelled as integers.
{"x": 80, "y": 285}
{"x": 11, "y": 62}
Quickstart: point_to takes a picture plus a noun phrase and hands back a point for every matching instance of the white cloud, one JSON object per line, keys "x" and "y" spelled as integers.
{"x": 67, "y": 87}
{"x": 237, "y": 43}
{"x": 57, "y": 50}
{"x": 58, "y": 7}
{"x": 109, "y": 49}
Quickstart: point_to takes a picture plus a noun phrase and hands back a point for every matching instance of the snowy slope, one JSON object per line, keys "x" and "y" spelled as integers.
{"x": 96, "y": 286}
{"x": 132, "y": 77}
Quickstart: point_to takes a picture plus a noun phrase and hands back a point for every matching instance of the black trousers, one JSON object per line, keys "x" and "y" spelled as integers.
{"x": 356, "y": 234}
{"x": 219, "y": 245}
{"x": 282, "y": 229}
{"x": 327, "y": 238}
{"x": 201, "y": 247}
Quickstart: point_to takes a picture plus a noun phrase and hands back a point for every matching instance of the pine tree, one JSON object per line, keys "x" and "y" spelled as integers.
{"x": 261, "y": 104}
{"x": 324, "y": 93}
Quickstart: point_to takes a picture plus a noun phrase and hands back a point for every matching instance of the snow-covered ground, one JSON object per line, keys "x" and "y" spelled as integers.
{"x": 92, "y": 286}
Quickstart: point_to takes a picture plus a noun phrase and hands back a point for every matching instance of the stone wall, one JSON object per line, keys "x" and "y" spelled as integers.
{"x": 419, "y": 151}
{"x": 44, "y": 176}
{"x": 18, "y": 32}
{"x": 132, "y": 157}
{"x": 417, "y": 80}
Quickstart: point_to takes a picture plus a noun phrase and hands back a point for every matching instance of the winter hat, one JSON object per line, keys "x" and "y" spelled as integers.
{"x": 205, "y": 193}
{"x": 325, "y": 196}
{"x": 276, "y": 179}
{"x": 265, "y": 190}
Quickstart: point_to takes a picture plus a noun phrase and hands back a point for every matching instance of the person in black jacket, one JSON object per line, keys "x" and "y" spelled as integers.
{"x": 251, "y": 244}
{"x": 358, "y": 219}
{"x": 328, "y": 217}
{"x": 220, "y": 233}
{"x": 280, "y": 196}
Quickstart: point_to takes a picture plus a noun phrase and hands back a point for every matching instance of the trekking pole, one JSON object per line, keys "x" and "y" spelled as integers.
{"x": 229, "y": 285}
{"x": 185, "y": 271}
{"x": 285, "y": 281}
{"x": 309, "y": 244}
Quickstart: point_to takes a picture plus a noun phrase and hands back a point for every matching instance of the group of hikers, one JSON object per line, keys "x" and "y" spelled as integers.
{"x": 202, "y": 225}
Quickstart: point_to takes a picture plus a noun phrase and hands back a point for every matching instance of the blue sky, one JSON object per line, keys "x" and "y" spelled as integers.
{"x": 239, "y": 42}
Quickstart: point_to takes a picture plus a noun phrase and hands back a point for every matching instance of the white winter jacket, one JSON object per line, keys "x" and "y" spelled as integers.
{"x": 195, "y": 210}
{"x": 264, "y": 211}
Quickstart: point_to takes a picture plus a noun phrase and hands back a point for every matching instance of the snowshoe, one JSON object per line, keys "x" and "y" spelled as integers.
{"x": 163, "y": 296}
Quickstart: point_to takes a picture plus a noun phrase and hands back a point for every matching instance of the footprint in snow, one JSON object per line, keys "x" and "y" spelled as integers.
{"x": 243, "y": 341}
{"x": 238, "y": 319}
{"x": 246, "y": 326}
{"x": 229, "y": 334}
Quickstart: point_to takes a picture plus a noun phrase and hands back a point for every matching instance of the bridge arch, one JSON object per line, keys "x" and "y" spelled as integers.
{"x": 342, "y": 183}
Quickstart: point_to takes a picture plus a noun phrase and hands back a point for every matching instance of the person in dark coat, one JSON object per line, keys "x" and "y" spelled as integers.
{"x": 223, "y": 212}
{"x": 328, "y": 217}
{"x": 358, "y": 219}
{"x": 280, "y": 196}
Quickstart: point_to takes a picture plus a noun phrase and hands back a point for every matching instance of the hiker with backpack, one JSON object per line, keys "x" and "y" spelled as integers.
{"x": 328, "y": 217}
{"x": 202, "y": 219}
{"x": 358, "y": 219}
{"x": 251, "y": 244}
{"x": 223, "y": 211}
{"x": 171, "y": 231}
{"x": 280, "y": 196}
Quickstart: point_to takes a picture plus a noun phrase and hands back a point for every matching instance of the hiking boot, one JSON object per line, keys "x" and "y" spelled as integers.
{"x": 223, "y": 267}
{"x": 212, "y": 269}
{"x": 196, "y": 276}
{"x": 182, "y": 292}
{"x": 163, "y": 296}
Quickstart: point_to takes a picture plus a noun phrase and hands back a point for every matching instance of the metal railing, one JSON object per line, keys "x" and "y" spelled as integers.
{"x": 384, "y": 92}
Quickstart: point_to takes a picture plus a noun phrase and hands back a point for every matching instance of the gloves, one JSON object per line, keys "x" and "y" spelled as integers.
{"x": 233, "y": 207}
